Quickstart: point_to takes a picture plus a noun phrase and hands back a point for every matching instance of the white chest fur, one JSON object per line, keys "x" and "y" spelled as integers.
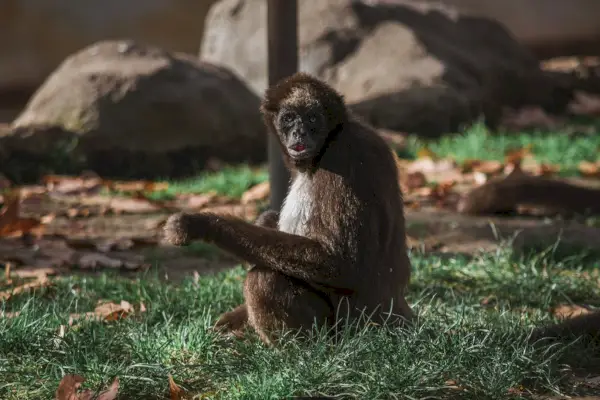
{"x": 297, "y": 206}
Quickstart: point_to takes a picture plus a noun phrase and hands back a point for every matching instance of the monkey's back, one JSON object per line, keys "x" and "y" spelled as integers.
{"x": 358, "y": 212}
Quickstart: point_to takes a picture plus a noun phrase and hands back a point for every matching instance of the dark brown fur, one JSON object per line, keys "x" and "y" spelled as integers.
{"x": 351, "y": 257}
{"x": 582, "y": 325}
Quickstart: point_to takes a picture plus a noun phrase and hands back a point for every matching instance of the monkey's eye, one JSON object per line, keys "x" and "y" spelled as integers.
{"x": 312, "y": 119}
{"x": 287, "y": 118}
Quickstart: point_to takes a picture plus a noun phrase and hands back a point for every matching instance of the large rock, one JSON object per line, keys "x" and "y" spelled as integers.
{"x": 403, "y": 65}
{"x": 121, "y": 108}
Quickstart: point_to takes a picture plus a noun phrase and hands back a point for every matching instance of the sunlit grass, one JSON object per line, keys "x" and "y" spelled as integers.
{"x": 483, "y": 349}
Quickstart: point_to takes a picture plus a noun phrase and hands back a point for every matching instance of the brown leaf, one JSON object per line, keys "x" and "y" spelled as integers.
{"x": 97, "y": 260}
{"x": 589, "y": 169}
{"x": 69, "y": 185}
{"x": 566, "y": 311}
{"x": 69, "y": 384}
{"x": 584, "y": 104}
{"x": 67, "y": 388}
{"x": 196, "y": 201}
{"x": 415, "y": 180}
{"x": 244, "y": 211}
{"x": 137, "y": 186}
{"x": 28, "y": 272}
{"x": 112, "y": 391}
{"x": 175, "y": 391}
{"x": 10, "y": 221}
{"x": 488, "y": 167}
{"x": 516, "y": 156}
{"x": 38, "y": 283}
{"x": 106, "y": 311}
{"x": 133, "y": 205}
{"x": 256, "y": 193}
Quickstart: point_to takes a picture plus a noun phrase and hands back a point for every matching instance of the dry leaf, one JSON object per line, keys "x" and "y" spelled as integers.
{"x": 245, "y": 211}
{"x": 133, "y": 205}
{"x": 585, "y": 104}
{"x": 566, "y": 311}
{"x": 28, "y": 272}
{"x": 137, "y": 186}
{"x": 415, "y": 180}
{"x": 256, "y": 193}
{"x": 175, "y": 391}
{"x": 516, "y": 156}
{"x": 68, "y": 185}
{"x": 10, "y": 221}
{"x": 106, "y": 311}
{"x": 589, "y": 169}
{"x": 487, "y": 167}
{"x": 196, "y": 201}
{"x": 69, "y": 384}
{"x": 67, "y": 388}
{"x": 38, "y": 283}
{"x": 97, "y": 260}
{"x": 112, "y": 391}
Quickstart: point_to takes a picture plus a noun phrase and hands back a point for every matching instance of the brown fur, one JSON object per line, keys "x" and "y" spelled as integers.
{"x": 582, "y": 325}
{"x": 351, "y": 257}
{"x": 506, "y": 194}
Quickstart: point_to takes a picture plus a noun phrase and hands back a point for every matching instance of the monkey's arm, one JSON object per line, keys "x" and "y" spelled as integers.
{"x": 296, "y": 256}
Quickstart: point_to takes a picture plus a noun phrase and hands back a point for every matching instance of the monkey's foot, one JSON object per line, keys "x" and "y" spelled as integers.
{"x": 177, "y": 229}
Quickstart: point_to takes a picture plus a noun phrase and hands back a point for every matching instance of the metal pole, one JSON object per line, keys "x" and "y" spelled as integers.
{"x": 282, "y": 22}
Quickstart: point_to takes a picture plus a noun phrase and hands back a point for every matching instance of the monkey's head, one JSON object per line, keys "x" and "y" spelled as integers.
{"x": 303, "y": 112}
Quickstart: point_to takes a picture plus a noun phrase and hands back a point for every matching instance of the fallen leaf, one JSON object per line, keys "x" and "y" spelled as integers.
{"x": 487, "y": 167}
{"x": 175, "y": 391}
{"x": 244, "y": 211}
{"x": 137, "y": 186}
{"x": 566, "y": 311}
{"x": 197, "y": 201}
{"x": 133, "y": 205}
{"x": 69, "y": 385}
{"x": 38, "y": 283}
{"x": 28, "y": 272}
{"x": 97, "y": 260}
{"x": 69, "y": 185}
{"x": 415, "y": 180}
{"x": 589, "y": 169}
{"x": 67, "y": 388}
{"x": 106, "y": 311}
{"x": 256, "y": 193}
{"x": 584, "y": 104}
{"x": 10, "y": 221}
{"x": 112, "y": 391}
{"x": 516, "y": 156}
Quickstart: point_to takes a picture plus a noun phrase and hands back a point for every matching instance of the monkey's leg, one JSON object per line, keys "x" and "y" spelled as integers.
{"x": 236, "y": 319}
{"x": 276, "y": 301}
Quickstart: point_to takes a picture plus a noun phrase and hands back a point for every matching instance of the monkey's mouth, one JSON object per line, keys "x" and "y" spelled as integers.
{"x": 299, "y": 151}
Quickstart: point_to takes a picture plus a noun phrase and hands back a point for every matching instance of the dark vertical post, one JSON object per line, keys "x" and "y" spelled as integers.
{"x": 282, "y": 20}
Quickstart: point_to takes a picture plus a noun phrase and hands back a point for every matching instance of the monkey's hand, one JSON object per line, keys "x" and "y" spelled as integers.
{"x": 181, "y": 228}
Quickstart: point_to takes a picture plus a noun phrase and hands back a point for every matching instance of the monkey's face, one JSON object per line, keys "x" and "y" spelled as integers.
{"x": 302, "y": 131}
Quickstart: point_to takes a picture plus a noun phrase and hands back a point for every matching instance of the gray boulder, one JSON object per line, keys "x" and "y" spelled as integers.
{"x": 124, "y": 109}
{"x": 403, "y": 65}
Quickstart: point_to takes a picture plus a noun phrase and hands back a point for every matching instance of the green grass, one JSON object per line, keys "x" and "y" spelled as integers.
{"x": 484, "y": 350}
{"x": 230, "y": 181}
{"x": 559, "y": 148}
